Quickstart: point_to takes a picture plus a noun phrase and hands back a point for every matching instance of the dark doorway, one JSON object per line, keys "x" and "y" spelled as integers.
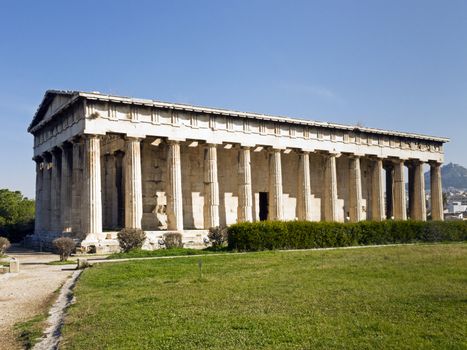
{"x": 263, "y": 205}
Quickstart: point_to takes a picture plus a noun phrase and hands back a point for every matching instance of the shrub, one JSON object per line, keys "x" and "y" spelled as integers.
{"x": 173, "y": 240}
{"x": 304, "y": 234}
{"x": 65, "y": 246}
{"x": 4, "y": 245}
{"x": 217, "y": 236}
{"x": 131, "y": 238}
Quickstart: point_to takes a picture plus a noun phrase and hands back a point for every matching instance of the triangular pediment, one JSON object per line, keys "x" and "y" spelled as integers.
{"x": 52, "y": 102}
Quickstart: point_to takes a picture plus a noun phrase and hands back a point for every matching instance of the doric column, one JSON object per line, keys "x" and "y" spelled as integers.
{"x": 77, "y": 186}
{"x": 92, "y": 206}
{"x": 55, "y": 216}
{"x": 276, "y": 206}
{"x": 174, "y": 187}
{"x": 38, "y": 221}
{"x": 66, "y": 189}
{"x": 419, "y": 192}
{"x": 377, "y": 191}
{"x": 389, "y": 190}
{"x": 133, "y": 185}
{"x": 330, "y": 188}
{"x": 355, "y": 189}
{"x": 437, "y": 210}
{"x": 46, "y": 192}
{"x": 411, "y": 171}
{"x": 399, "y": 201}
{"x": 245, "y": 194}
{"x": 304, "y": 187}
{"x": 211, "y": 187}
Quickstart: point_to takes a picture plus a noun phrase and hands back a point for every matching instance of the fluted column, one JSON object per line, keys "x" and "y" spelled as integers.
{"x": 437, "y": 210}
{"x": 330, "y": 188}
{"x": 419, "y": 192}
{"x": 245, "y": 194}
{"x": 377, "y": 191}
{"x": 276, "y": 205}
{"x": 55, "y": 186}
{"x": 38, "y": 221}
{"x": 77, "y": 187}
{"x": 399, "y": 201}
{"x": 304, "y": 187}
{"x": 133, "y": 184}
{"x": 389, "y": 190}
{"x": 211, "y": 187}
{"x": 92, "y": 206}
{"x": 65, "y": 189}
{"x": 174, "y": 187}
{"x": 411, "y": 187}
{"x": 355, "y": 189}
{"x": 46, "y": 192}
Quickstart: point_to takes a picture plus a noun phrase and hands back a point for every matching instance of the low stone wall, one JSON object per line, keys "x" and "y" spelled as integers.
{"x": 107, "y": 242}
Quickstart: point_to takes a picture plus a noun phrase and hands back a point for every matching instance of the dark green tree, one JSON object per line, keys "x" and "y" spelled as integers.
{"x": 16, "y": 215}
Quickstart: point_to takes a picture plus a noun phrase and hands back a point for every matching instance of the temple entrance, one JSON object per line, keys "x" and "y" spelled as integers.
{"x": 263, "y": 205}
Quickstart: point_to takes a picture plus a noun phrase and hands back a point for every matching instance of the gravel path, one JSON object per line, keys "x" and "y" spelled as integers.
{"x": 24, "y": 295}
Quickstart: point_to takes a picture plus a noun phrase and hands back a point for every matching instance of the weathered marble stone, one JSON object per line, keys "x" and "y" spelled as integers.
{"x": 108, "y": 162}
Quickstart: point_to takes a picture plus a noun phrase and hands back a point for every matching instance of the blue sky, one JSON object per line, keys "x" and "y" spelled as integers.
{"x": 387, "y": 64}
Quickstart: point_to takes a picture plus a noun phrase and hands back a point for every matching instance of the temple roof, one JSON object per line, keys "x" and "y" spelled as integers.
{"x": 69, "y": 97}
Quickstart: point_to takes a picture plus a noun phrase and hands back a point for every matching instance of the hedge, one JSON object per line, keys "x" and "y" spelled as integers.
{"x": 266, "y": 235}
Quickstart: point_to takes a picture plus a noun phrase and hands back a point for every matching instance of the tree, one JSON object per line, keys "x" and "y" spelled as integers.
{"x": 16, "y": 215}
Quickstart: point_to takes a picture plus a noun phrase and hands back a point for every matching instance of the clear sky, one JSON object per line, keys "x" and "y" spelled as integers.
{"x": 395, "y": 64}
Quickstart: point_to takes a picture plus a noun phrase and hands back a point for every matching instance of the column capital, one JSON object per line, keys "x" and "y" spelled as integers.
{"x": 78, "y": 139}
{"x": 47, "y": 157}
{"x": 331, "y": 154}
{"x": 210, "y": 144}
{"x": 38, "y": 159}
{"x": 56, "y": 150}
{"x": 91, "y": 136}
{"x": 275, "y": 150}
{"x": 398, "y": 160}
{"x": 133, "y": 138}
{"x": 416, "y": 161}
{"x": 65, "y": 145}
{"x": 435, "y": 163}
{"x": 356, "y": 155}
{"x": 174, "y": 142}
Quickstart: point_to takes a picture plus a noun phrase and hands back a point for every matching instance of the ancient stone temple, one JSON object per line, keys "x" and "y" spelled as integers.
{"x": 107, "y": 162}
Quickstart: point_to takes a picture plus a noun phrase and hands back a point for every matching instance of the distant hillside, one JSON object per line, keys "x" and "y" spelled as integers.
{"x": 453, "y": 175}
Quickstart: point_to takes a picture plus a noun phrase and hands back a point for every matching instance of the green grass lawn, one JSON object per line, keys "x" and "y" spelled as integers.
{"x": 59, "y": 262}
{"x": 140, "y": 253}
{"x": 387, "y": 297}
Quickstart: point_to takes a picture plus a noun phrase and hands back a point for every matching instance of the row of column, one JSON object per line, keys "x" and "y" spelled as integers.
{"x": 68, "y": 188}
{"x": 304, "y": 203}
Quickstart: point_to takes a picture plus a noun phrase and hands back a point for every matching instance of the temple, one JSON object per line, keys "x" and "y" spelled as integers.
{"x": 107, "y": 162}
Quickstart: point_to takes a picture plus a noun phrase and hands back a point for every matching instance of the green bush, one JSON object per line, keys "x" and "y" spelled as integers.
{"x": 64, "y": 246}
{"x": 217, "y": 236}
{"x": 131, "y": 238}
{"x": 173, "y": 240}
{"x": 4, "y": 245}
{"x": 267, "y": 235}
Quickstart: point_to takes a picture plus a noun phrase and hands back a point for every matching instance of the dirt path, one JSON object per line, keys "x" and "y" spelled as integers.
{"x": 24, "y": 295}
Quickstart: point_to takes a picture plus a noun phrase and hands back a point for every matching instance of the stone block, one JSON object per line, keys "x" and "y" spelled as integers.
{"x": 14, "y": 265}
